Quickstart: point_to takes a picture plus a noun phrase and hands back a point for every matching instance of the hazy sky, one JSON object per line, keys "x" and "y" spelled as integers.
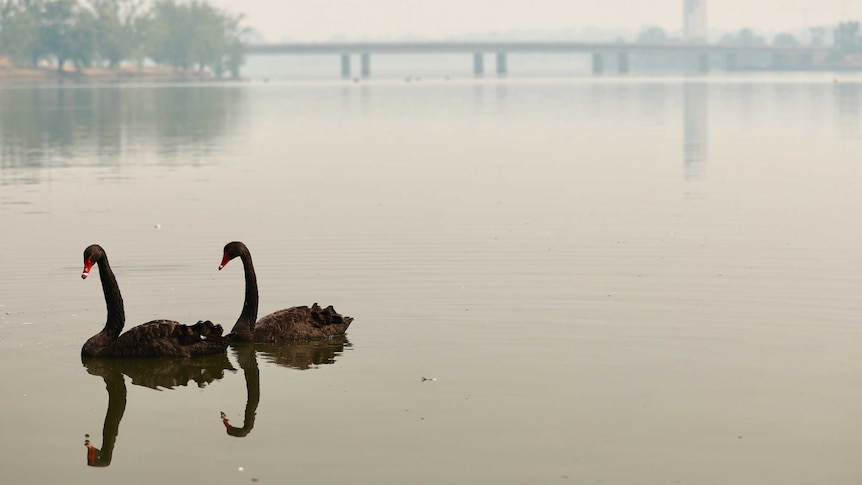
{"x": 312, "y": 20}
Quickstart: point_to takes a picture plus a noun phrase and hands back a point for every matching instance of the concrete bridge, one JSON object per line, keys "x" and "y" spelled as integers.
{"x": 783, "y": 57}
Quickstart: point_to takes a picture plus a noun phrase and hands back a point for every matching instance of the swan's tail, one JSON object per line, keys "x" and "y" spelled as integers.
{"x": 209, "y": 338}
{"x": 206, "y": 328}
{"x": 328, "y": 316}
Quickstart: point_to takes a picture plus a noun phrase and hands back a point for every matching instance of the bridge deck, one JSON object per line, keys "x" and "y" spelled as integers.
{"x": 518, "y": 47}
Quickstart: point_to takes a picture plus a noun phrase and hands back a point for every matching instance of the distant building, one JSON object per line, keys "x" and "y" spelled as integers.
{"x": 694, "y": 20}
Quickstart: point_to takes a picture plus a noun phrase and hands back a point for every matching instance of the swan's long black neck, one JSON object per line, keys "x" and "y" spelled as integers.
{"x": 113, "y": 300}
{"x": 248, "y": 316}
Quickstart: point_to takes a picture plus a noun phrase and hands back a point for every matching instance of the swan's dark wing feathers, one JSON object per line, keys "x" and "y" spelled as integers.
{"x": 300, "y": 323}
{"x": 162, "y": 338}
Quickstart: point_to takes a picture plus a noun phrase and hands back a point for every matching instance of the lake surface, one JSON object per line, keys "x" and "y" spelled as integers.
{"x": 620, "y": 280}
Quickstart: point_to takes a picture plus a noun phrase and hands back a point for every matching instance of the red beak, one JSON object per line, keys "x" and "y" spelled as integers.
{"x": 224, "y": 261}
{"x": 87, "y": 266}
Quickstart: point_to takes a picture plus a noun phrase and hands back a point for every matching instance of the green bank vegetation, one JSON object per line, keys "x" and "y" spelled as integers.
{"x": 187, "y": 35}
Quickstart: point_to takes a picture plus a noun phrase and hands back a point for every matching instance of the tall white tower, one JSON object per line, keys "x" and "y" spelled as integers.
{"x": 694, "y": 20}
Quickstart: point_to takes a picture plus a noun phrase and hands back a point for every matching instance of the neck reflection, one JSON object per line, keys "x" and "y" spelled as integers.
{"x": 295, "y": 355}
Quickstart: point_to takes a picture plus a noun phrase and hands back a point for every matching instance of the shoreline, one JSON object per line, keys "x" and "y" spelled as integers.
{"x": 20, "y": 76}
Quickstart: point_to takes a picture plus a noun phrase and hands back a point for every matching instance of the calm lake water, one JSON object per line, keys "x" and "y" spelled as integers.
{"x": 619, "y": 280}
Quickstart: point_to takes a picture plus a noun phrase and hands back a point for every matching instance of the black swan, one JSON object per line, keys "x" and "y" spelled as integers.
{"x": 297, "y": 323}
{"x": 159, "y": 338}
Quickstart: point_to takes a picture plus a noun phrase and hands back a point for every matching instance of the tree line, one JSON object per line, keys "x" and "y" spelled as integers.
{"x": 82, "y": 33}
{"x": 847, "y": 37}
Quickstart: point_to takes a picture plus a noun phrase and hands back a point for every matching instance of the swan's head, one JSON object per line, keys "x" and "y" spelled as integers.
{"x": 92, "y": 255}
{"x": 232, "y": 250}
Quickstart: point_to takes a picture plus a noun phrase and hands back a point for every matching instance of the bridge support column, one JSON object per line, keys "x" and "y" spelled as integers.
{"x": 478, "y": 64}
{"x": 598, "y": 63}
{"x": 703, "y": 63}
{"x": 502, "y": 68}
{"x": 730, "y": 61}
{"x": 365, "y": 61}
{"x": 345, "y": 65}
{"x": 623, "y": 62}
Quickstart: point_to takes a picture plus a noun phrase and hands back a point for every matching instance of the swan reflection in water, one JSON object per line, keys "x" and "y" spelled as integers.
{"x": 156, "y": 374}
{"x": 296, "y": 355}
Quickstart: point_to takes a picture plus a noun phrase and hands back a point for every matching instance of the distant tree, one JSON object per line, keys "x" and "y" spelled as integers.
{"x": 183, "y": 34}
{"x": 210, "y": 40}
{"x": 116, "y": 35}
{"x": 785, "y": 39}
{"x": 67, "y": 32}
{"x": 168, "y": 34}
{"x": 83, "y": 39}
{"x": 19, "y": 31}
{"x": 194, "y": 35}
{"x": 235, "y": 57}
{"x": 652, "y": 35}
{"x": 847, "y": 37}
{"x": 743, "y": 37}
{"x": 818, "y": 34}
{"x": 233, "y": 54}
